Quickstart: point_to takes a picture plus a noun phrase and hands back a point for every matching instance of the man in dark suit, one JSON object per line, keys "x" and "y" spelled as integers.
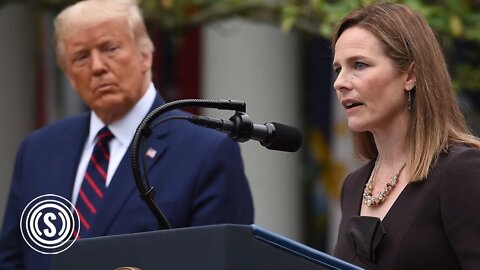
{"x": 105, "y": 51}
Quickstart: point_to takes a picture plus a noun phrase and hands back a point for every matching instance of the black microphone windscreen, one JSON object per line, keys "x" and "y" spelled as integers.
{"x": 286, "y": 138}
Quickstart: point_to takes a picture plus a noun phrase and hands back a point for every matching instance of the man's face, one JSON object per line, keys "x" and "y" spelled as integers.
{"x": 107, "y": 68}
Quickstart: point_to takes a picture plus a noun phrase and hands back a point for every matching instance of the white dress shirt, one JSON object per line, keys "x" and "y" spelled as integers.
{"x": 123, "y": 130}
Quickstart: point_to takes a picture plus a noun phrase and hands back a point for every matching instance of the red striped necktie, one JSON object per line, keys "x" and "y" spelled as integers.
{"x": 93, "y": 189}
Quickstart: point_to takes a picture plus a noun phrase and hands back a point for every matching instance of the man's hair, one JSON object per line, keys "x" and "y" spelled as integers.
{"x": 435, "y": 120}
{"x": 92, "y": 12}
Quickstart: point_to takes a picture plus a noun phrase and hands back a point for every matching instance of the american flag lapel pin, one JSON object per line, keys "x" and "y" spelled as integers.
{"x": 151, "y": 153}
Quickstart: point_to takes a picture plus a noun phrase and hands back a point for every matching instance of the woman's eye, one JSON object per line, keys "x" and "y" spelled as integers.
{"x": 337, "y": 70}
{"x": 360, "y": 65}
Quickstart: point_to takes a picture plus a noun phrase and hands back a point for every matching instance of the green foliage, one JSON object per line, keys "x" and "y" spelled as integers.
{"x": 467, "y": 76}
{"x": 451, "y": 19}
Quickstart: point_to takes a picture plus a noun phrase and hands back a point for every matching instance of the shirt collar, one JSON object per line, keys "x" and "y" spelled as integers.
{"x": 124, "y": 129}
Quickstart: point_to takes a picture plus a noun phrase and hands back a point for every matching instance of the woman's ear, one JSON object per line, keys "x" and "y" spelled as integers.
{"x": 411, "y": 79}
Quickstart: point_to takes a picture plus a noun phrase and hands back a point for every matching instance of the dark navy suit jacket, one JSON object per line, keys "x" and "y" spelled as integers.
{"x": 197, "y": 174}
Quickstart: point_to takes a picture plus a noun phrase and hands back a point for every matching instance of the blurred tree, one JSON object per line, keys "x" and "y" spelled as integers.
{"x": 452, "y": 19}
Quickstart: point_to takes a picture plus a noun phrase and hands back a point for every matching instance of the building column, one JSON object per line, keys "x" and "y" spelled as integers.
{"x": 259, "y": 64}
{"x": 17, "y": 93}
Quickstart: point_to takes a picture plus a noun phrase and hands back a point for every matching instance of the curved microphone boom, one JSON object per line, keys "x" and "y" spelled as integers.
{"x": 239, "y": 127}
{"x": 147, "y": 192}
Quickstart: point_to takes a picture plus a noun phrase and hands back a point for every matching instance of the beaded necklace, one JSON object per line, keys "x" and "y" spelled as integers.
{"x": 372, "y": 201}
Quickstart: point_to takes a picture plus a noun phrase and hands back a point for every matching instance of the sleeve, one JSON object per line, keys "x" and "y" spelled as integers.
{"x": 460, "y": 200}
{"x": 11, "y": 242}
{"x": 222, "y": 194}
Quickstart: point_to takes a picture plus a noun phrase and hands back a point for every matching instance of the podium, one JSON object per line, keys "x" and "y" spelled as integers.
{"x": 213, "y": 247}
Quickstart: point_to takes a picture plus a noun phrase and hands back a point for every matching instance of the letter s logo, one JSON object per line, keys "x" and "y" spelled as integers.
{"x": 47, "y": 219}
{"x": 49, "y": 224}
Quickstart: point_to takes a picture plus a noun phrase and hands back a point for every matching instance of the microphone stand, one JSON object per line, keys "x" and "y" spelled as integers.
{"x": 144, "y": 130}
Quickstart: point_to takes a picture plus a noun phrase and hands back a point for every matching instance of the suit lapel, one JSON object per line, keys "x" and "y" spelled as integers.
{"x": 122, "y": 186}
{"x": 119, "y": 190}
{"x": 66, "y": 155}
{"x": 156, "y": 144}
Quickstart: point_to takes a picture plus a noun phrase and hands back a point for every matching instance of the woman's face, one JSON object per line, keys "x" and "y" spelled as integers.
{"x": 369, "y": 87}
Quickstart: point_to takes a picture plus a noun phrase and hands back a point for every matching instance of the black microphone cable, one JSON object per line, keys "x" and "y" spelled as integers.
{"x": 239, "y": 127}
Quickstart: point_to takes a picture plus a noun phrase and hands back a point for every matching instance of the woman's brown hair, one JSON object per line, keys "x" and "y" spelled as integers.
{"x": 435, "y": 119}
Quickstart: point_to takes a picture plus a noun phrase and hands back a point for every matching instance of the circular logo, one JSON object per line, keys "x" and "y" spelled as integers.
{"x": 49, "y": 224}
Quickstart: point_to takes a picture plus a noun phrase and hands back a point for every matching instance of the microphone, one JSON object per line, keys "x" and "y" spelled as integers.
{"x": 239, "y": 127}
